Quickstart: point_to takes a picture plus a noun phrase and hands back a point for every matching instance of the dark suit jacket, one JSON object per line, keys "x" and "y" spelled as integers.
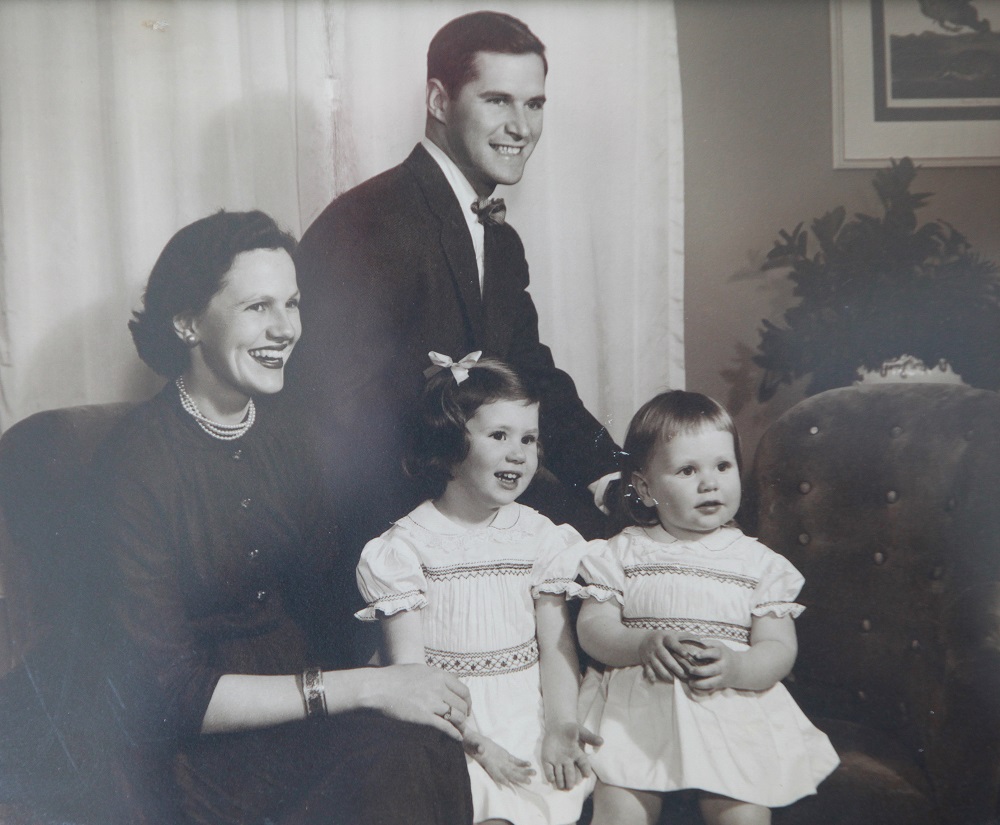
{"x": 387, "y": 274}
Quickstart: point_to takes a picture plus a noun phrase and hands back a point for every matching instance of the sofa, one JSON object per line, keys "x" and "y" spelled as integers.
{"x": 885, "y": 497}
{"x": 49, "y": 609}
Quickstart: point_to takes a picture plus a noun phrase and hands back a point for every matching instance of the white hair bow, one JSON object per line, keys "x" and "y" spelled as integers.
{"x": 459, "y": 369}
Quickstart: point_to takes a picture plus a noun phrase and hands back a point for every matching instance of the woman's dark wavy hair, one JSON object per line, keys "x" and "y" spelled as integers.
{"x": 659, "y": 420}
{"x": 451, "y": 56}
{"x": 438, "y": 438}
{"x": 191, "y": 269}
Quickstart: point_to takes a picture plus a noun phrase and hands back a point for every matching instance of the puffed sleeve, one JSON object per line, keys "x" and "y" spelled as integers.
{"x": 390, "y": 577}
{"x": 559, "y": 556}
{"x": 778, "y": 588}
{"x": 602, "y": 571}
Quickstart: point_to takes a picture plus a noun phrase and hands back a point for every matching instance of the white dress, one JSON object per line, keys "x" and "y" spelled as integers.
{"x": 475, "y": 589}
{"x": 754, "y": 746}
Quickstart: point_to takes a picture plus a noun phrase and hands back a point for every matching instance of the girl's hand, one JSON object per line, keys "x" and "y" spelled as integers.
{"x": 502, "y": 767}
{"x": 563, "y": 757}
{"x": 717, "y": 667}
{"x": 661, "y": 653}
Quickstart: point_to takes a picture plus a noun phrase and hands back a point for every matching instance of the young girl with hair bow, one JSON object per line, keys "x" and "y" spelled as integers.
{"x": 475, "y": 583}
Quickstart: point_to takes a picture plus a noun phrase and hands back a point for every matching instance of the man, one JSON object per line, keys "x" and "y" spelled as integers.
{"x": 402, "y": 265}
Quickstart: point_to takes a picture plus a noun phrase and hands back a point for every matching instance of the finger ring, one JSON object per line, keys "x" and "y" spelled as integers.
{"x": 447, "y": 714}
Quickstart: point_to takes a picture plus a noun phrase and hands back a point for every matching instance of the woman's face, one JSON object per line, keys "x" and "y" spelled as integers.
{"x": 244, "y": 337}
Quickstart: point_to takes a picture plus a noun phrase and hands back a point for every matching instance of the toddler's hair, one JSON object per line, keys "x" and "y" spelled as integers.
{"x": 438, "y": 438}
{"x": 659, "y": 420}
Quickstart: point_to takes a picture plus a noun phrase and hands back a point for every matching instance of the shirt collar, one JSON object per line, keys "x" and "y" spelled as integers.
{"x": 459, "y": 183}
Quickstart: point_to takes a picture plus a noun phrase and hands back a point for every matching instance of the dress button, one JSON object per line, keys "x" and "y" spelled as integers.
{"x": 261, "y": 595}
{"x": 804, "y": 539}
{"x": 813, "y": 430}
{"x": 879, "y": 557}
{"x": 245, "y": 504}
{"x": 237, "y": 455}
{"x": 254, "y": 553}
{"x": 866, "y": 625}
{"x": 805, "y": 487}
{"x": 896, "y": 431}
{"x": 892, "y": 496}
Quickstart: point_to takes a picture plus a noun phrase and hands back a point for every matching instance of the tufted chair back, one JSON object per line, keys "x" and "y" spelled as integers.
{"x": 884, "y": 497}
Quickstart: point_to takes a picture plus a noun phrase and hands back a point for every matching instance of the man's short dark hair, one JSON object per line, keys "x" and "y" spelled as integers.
{"x": 191, "y": 269}
{"x": 451, "y": 57}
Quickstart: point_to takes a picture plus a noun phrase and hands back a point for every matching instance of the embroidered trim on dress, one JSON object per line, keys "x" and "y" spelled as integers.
{"x": 469, "y": 571}
{"x": 690, "y": 570}
{"x": 486, "y": 663}
{"x": 388, "y": 597}
{"x": 699, "y": 627}
{"x": 611, "y": 591}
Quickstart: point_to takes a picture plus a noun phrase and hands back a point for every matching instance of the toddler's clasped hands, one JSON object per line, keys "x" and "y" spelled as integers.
{"x": 705, "y": 666}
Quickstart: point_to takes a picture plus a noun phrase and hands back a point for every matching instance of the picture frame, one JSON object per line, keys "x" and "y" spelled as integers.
{"x": 907, "y": 85}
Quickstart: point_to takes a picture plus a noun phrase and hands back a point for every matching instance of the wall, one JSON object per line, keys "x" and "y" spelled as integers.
{"x": 755, "y": 76}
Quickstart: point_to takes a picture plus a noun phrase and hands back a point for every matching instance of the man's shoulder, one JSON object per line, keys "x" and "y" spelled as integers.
{"x": 397, "y": 187}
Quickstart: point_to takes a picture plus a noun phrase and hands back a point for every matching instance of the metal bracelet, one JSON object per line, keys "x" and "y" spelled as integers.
{"x": 314, "y": 692}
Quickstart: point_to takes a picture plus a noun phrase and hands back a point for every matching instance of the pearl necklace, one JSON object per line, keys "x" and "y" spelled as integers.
{"x": 224, "y": 432}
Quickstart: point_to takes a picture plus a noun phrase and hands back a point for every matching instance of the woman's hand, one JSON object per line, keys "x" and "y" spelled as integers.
{"x": 420, "y": 694}
{"x": 563, "y": 759}
{"x": 503, "y": 767}
{"x": 662, "y": 655}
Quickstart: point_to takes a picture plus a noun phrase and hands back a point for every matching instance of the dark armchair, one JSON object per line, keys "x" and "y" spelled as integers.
{"x": 887, "y": 499}
{"x": 51, "y": 769}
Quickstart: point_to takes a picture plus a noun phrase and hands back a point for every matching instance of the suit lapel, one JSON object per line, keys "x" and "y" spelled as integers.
{"x": 454, "y": 238}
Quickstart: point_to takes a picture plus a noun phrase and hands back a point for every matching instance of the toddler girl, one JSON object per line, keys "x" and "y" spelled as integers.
{"x": 476, "y": 584}
{"x": 693, "y": 621}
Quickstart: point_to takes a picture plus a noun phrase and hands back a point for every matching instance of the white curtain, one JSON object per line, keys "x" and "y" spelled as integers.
{"x": 123, "y": 120}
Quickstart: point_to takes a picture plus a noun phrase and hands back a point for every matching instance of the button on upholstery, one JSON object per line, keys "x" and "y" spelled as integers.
{"x": 804, "y": 487}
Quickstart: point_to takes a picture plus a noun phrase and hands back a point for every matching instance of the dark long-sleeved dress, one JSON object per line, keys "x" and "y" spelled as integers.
{"x": 221, "y": 553}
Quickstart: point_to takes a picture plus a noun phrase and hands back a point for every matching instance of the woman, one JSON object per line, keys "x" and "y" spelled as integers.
{"x": 222, "y": 547}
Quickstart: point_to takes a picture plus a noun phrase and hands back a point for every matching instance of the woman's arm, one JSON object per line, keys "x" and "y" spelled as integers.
{"x": 604, "y": 637}
{"x": 772, "y": 652}
{"x": 411, "y": 692}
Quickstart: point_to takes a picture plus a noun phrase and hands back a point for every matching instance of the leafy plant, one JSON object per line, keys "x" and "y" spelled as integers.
{"x": 879, "y": 288}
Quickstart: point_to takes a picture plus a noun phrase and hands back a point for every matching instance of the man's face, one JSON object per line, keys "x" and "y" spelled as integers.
{"x": 494, "y": 121}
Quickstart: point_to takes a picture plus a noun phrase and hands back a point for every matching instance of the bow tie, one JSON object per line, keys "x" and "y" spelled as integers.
{"x": 492, "y": 212}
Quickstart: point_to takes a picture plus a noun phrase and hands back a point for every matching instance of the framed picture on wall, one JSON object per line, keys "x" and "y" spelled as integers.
{"x": 917, "y": 78}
